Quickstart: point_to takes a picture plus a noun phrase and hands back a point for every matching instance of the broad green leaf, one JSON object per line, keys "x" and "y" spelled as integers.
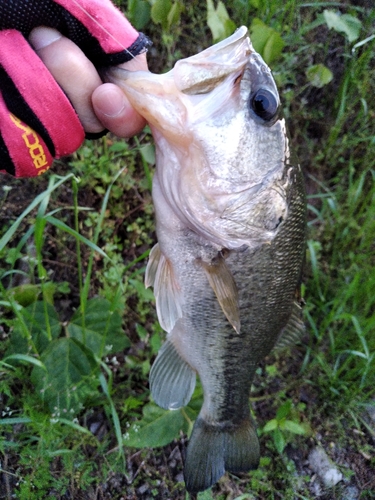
{"x": 283, "y": 411}
{"x": 148, "y": 153}
{"x": 139, "y": 13}
{"x": 160, "y": 11}
{"x": 28, "y": 293}
{"x": 99, "y": 328}
{"x": 155, "y": 343}
{"x": 271, "y": 425}
{"x": 343, "y": 23}
{"x": 174, "y": 14}
{"x": 25, "y": 294}
{"x": 158, "y": 427}
{"x": 319, "y": 75}
{"x": 69, "y": 379}
{"x": 206, "y": 495}
{"x": 49, "y": 290}
{"x": 291, "y": 426}
{"x": 34, "y": 323}
{"x": 266, "y": 41}
{"x": 279, "y": 440}
{"x": 218, "y": 21}
{"x": 146, "y": 294}
{"x": 273, "y": 48}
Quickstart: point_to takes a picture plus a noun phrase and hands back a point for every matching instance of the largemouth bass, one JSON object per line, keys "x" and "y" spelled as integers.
{"x": 230, "y": 219}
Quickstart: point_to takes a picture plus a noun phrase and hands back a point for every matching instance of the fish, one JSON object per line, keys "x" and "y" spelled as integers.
{"x": 231, "y": 227}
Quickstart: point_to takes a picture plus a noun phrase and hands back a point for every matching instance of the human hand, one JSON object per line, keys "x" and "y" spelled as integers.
{"x": 42, "y": 123}
{"x": 98, "y": 105}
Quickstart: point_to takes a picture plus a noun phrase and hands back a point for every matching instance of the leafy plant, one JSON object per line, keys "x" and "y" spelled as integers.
{"x": 343, "y": 23}
{"x": 159, "y": 427}
{"x": 319, "y": 75}
{"x": 218, "y": 21}
{"x": 266, "y": 40}
{"x": 166, "y": 13}
{"x": 66, "y": 374}
{"x": 285, "y": 423}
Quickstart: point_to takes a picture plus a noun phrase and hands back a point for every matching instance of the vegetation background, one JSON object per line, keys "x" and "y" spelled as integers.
{"x": 78, "y": 330}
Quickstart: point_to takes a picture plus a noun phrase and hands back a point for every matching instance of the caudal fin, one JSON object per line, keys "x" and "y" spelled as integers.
{"x": 213, "y": 450}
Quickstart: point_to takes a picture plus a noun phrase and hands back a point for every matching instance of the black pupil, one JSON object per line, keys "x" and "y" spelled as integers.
{"x": 264, "y": 104}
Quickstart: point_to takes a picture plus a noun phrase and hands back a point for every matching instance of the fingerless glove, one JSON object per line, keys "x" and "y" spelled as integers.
{"x": 37, "y": 121}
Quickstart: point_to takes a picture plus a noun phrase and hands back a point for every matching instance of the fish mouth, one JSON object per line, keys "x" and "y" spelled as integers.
{"x": 203, "y": 72}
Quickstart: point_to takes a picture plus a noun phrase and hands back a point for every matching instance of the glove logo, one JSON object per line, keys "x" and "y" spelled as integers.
{"x": 33, "y": 145}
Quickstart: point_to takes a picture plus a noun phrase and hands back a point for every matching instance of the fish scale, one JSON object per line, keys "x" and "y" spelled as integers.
{"x": 230, "y": 219}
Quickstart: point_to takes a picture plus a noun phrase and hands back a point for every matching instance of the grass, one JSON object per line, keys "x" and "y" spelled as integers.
{"x": 73, "y": 249}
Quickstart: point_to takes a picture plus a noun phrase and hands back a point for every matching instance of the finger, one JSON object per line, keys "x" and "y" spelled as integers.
{"x": 115, "y": 112}
{"x": 72, "y": 70}
{"x": 113, "y": 108}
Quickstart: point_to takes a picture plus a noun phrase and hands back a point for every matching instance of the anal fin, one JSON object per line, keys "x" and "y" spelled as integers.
{"x": 172, "y": 380}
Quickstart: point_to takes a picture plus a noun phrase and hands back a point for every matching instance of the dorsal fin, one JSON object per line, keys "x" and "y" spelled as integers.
{"x": 293, "y": 330}
{"x": 225, "y": 288}
{"x": 160, "y": 275}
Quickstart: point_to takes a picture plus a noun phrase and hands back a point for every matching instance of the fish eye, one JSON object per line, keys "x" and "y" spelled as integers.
{"x": 264, "y": 104}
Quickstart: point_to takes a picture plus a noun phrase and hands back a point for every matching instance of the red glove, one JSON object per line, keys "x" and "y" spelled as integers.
{"x": 37, "y": 121}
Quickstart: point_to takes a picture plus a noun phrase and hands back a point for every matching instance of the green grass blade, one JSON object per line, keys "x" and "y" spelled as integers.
{"x": 39, "y": 199}
{"x": 64, "y": 227}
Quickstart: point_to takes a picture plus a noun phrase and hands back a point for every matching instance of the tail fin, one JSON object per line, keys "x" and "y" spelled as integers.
{"x": 213, "y": 450}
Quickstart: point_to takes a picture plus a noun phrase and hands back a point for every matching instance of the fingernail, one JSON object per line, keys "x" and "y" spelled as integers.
{"x": 42, "y": 37}
{"x": 110, "y": 103}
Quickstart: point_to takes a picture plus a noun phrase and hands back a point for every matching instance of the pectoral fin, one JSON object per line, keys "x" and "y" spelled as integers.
{"x": 225, "y": 288}
{"x": 152, "y": 265}
{"x": 160, "y": 275}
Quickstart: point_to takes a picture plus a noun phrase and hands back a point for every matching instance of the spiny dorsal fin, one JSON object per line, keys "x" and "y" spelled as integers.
{"x": 172, "y": 380}
{"x": 293, "y": 330}
{"x": 160, "y": 275}
{"x": 225, "y": 288}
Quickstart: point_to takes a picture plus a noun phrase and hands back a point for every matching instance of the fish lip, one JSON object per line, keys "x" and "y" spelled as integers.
{"x": 203, "y": 72}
